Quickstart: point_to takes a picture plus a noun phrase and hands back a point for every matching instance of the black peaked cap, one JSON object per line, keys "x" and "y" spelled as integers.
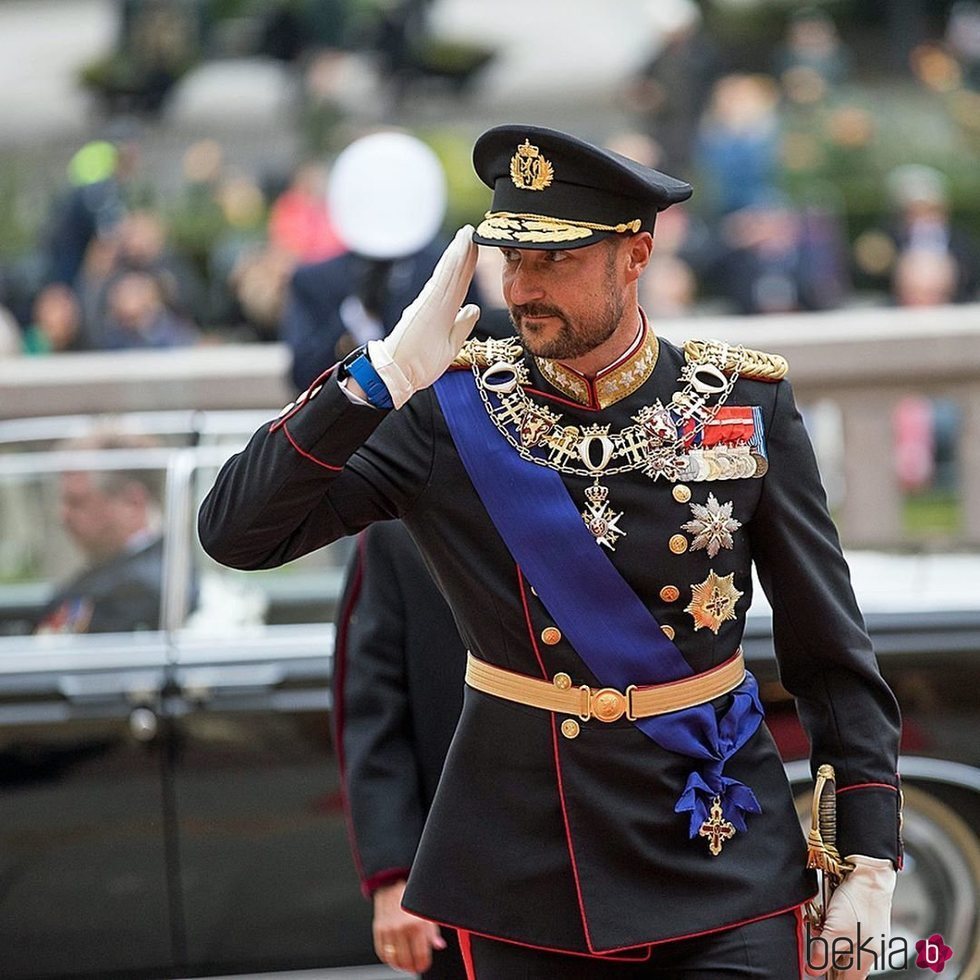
{"x": 556, "y": 191}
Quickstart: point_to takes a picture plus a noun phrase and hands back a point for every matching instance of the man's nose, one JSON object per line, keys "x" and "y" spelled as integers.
{"x": 524, "y": 287}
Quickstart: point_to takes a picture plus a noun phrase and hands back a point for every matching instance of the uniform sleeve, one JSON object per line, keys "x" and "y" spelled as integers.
{"x": 373, "y": 719}
{"x": 824, "y": 653}
{"x": 326, "y": 469}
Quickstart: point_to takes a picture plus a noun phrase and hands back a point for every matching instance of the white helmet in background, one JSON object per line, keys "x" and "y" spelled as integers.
{"x": 387, "y": 195}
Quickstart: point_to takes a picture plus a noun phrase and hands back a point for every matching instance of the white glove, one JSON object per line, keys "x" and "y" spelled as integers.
{"x": 864, "y": 898}
{"x": 432, "y": 329}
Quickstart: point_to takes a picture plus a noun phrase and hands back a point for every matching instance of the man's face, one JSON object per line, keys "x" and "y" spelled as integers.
{"x": 565, "y": 303}
{"x": 97, "y": 521}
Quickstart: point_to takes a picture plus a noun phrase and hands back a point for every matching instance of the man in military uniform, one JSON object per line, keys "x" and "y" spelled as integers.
{"x": 590, "y": 500}
{"x": 398, "y": 691}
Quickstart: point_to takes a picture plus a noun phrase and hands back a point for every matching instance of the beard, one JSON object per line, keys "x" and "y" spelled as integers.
{"x": 575, "y": 337}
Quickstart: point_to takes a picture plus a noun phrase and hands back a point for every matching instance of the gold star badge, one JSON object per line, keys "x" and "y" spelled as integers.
{"x": 713, "y": 601}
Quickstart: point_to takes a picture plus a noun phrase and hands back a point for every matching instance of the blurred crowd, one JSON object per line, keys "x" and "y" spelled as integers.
{"x": 227, "y": 258}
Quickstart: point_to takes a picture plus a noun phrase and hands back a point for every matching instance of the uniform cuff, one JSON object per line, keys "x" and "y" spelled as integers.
{"x": 325, "y": 426}
{"x": 868, "y": 821}
{"x": 387, "y": 877}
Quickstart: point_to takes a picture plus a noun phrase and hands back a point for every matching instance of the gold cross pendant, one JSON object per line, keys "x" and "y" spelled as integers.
{"x": 716, "y": 828}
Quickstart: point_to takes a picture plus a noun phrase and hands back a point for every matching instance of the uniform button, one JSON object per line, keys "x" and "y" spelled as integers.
{"x": 668, "y": 631}
{"x": 533, "y": 591}
{"x": 562, "y": 681}
{"x": 682, "y": 493}
{"x": 677, "y": 544}
{"x": 670, "y": 593}
{"x": 570, "y": 728}
{"x": 551, "y": 635}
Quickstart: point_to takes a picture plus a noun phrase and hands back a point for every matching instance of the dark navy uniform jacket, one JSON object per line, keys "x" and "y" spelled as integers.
{"x": 573, "y": 844}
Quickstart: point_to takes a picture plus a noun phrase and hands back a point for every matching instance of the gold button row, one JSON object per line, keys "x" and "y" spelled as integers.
{"x": 551, "y": 635}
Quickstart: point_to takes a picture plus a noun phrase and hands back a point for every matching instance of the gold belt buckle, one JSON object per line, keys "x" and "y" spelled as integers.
{"x": 607, "y": 704}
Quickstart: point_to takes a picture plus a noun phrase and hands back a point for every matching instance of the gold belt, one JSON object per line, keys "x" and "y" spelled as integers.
{"x": 605, "y": 703}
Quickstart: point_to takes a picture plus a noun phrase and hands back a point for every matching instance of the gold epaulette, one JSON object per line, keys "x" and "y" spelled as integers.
{"x": 756, "y": 365}
{"x": 484, "y": 353}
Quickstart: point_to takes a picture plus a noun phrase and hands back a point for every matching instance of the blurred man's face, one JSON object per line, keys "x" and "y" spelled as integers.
{"x": 99, "y": 522}
{"x": 565, "y": 303}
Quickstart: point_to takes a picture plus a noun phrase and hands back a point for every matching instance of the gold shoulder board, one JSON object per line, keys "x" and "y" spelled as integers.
{"x": 755, "y": 365}
{"x": 484, "y": 353}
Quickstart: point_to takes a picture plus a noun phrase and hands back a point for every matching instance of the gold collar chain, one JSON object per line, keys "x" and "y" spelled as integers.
{"x": 655, "y": 444}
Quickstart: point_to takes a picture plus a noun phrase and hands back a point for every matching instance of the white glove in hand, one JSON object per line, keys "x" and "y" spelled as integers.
{"x": 432, "y": 329}
{"x": 865, "y": 898}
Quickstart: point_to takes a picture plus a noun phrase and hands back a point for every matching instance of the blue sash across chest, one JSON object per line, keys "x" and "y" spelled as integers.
{"x": 598, "y": 612}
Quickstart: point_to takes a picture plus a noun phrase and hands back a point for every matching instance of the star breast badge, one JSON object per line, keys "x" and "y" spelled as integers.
{"x": 713, "y": 601}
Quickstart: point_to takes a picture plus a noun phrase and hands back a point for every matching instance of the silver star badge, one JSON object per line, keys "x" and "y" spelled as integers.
{"x": 712, "y": 527}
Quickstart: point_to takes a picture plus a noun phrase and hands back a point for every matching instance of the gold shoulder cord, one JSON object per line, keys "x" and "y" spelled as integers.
{"x": 756, "y": 365}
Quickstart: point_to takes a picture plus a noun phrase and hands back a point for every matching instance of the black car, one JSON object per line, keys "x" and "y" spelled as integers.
{"x": 169, "y": 798}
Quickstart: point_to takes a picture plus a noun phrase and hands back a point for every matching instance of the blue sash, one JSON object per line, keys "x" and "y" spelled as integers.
{"x": 598, "y": 612}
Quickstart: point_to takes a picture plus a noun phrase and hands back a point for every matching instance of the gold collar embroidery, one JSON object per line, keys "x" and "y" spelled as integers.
{"x": 612, "y": 384}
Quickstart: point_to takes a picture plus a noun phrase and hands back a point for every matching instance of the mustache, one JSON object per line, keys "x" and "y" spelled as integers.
{"x": 536, "y": 309}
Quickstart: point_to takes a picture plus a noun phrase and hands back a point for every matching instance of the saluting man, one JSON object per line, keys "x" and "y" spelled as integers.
{"x": 590, "y": 499}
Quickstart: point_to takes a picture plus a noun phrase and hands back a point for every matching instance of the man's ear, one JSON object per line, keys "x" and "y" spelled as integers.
{"x": 638, "y": 251}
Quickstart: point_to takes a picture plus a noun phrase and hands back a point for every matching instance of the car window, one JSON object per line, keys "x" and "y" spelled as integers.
{"x": 82, "y": 540}
{"x": 304, "y": 591}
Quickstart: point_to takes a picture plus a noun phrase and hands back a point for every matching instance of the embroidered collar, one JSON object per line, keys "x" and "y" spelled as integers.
{"x": 613, "y": 383}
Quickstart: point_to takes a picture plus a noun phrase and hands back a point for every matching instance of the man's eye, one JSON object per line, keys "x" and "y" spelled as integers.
{"x": 509, "y": 254}
{"x": 558, "y": 256}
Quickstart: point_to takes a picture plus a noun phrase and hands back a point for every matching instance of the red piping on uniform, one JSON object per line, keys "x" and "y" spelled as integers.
{"x": 467, "y": 953}
{"x": 847, "y": 789}
{"x": 281, "y": 422}
{"x": 564, "y": 401}
{"x": 312, "y": 459}
{"x": 554, "y": 738}
{"x": 799, "y": 940}
{"x": 568, "y": 837}
{"x": 339, "y": 672}
{"x": 605, "y": 955}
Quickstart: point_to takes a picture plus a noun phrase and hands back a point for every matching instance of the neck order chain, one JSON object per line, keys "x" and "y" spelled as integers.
{"x": 657, "y": 443}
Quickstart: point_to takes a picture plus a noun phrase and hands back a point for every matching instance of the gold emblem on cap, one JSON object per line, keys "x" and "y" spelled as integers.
{"x": 529, "y": 170}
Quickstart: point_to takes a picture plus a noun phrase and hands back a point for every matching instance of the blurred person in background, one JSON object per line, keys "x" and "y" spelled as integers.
{"x": 812, "y": 62}
{"x": 101, "y": 176}
{"x": 56, "y": 321}
{"x": 671, "y": 91}
{"x": 138, "y": 245}
{"x": 299, "y": 220}
{"x": 737, "y": 150}
{"x": 963, "y": 40}
{"x": 922, "y": 224}
{"x": 778, "y": 259}
{"x": 923, "y": 277}
{"x": 387, "y": 200}
{"x": 137, "y": 316}
{"x": 398, "y": 691}
{"x": 114, "y": 518}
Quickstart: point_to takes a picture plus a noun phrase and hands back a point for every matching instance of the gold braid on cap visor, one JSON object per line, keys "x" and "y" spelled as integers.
{"x": 506, "y": 226}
